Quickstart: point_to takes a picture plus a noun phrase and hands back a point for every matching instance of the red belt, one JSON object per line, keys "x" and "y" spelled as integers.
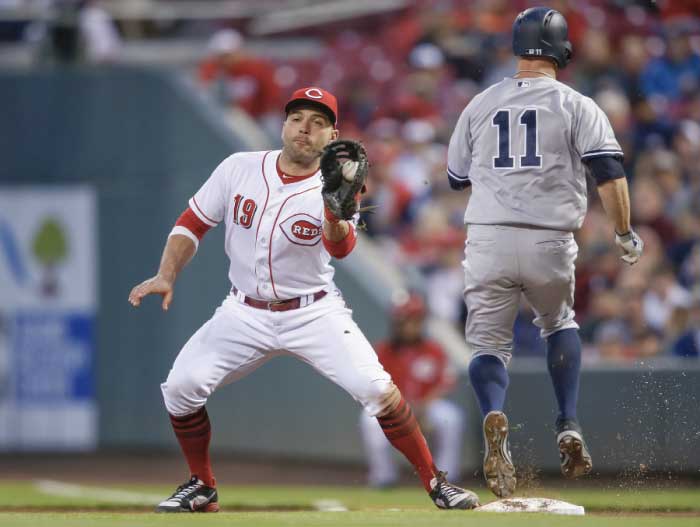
{"x": 279, "y": 305}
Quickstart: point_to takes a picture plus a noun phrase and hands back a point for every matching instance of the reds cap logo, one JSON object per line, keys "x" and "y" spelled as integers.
{"x": 314, "y": 93}
{"x": 302, "y": 229}
{"x": 324, "y": 99}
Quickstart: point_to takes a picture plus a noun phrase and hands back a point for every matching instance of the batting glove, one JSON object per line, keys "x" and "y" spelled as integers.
{"x": 631, "y": 244}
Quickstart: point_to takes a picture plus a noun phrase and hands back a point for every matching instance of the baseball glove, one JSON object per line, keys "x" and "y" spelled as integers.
{"x": 344, "y": 168}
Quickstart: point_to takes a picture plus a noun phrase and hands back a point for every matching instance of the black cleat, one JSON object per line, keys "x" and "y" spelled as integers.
{"x": 573, "y": 452}
{"x": 498, "y": 465}
{"x": 191, "y": 496}
{"x": 445, "y": 495}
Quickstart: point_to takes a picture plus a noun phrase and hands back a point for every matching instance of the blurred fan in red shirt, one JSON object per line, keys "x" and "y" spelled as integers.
{"x": 422, "y": 372}
{"x": 238, "y": 78}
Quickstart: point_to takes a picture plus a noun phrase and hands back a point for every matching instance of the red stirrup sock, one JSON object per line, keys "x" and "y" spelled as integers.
{"x": 193, "y": 432}
{"x": 401, "y": 429}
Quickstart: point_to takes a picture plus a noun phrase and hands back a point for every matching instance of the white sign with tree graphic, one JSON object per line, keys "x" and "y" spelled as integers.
{"x": 48, "y": 303}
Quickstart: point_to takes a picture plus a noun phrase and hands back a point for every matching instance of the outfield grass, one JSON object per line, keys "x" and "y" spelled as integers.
{"x": 294, "y": 506}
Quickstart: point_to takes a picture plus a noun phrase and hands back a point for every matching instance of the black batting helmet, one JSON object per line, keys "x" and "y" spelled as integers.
{"x": 542, "y": 32}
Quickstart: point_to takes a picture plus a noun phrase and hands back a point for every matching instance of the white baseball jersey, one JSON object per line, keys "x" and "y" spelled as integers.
{"x": 273, "y": 228}
{"x": 521, "y": 144}
{"x": 274, "y": 241}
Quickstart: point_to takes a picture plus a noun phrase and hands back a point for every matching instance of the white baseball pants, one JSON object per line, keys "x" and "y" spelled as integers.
{"x": 239, "y": 339}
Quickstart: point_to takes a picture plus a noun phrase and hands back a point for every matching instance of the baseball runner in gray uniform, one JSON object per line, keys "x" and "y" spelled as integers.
{"x": 521, "y": 148}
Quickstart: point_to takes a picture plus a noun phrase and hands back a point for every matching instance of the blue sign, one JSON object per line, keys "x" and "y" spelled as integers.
{"x": 53, "y": 357}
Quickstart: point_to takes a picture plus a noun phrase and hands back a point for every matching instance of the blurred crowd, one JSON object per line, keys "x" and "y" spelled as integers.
{"x": 403, "y": 78}
{"x": 402, "y": 83}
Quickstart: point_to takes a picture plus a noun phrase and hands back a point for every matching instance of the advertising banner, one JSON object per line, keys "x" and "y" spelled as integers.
{"x": 48, "y": 304}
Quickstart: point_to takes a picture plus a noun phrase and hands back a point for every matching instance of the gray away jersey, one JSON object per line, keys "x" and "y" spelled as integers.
{"x": 521, "y": 144}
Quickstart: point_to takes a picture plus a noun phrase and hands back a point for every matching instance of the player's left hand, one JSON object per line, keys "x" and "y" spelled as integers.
{"x": 632, "y": 246}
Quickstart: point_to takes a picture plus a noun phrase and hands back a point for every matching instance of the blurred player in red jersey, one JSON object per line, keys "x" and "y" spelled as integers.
{"x": 238, "y": 77}
{"x": 422, "y": 372}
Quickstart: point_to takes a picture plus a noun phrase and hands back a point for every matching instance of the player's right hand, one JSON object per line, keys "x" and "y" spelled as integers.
{"x": 632, "y": 246}
{"x": 156, "y": 285}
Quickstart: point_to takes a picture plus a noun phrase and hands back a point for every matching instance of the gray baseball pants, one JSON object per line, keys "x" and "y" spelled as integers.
{"x": 501, "y": 263}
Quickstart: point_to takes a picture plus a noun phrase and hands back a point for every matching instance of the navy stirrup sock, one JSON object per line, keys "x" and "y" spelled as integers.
{"x": 564, "y": 364}
{"x": 489, "y": 378}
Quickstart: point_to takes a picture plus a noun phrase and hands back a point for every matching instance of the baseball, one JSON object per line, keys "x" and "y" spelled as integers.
{"x": 349, "y": 170}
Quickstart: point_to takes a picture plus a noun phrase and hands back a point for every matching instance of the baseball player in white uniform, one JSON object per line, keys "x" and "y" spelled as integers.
{"x": 521, "y": 148}
{"x": 280, "y": 239}
{"x": 419, "y": 367}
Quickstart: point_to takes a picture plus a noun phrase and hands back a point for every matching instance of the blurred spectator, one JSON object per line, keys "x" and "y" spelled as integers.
{"x": 606, "y": 305}
{"x": 617, "y": 107}
{"x": 60, "y": 35}
{"x": 667, "y": 79}
{"x": 502, "y": 61}
{"x": 597, "y": 265}
{"x": 418, "y": 96}
{"x": 412, "y": 165}
{"x": 628, "y": 336}
{"x": 688, "y": 237}
{"x": 688, "y": 343}
{"x": 461, "y": 50}
{"x": 649, "y": 207}
{"x": 360, "y": 104}
{"x": 596, "y": 69}
{"x": 662, "y": 166}
{"x": 686, "y": 143}
{"x": 690, "y": 270}
{"x": 652, "y": 130}
{"x": 390, "y": 197}
{"x": 494, "y": 16}
{"x": 237, "y": 78}
{"x": 420, "y": 369}
{"x": 100, "y": 36}
{"x": 632, "y": 58}
{"x": 11, "y": 30}
{"x": 678, "y": 9}
{"x": 664, "y": 296}
{"x": 74, "y": 31}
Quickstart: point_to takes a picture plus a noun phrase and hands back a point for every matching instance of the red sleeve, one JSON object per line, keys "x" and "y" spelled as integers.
{"x": 192, "y": 223}
{"x": 341, "y": 248}
{"x": 388, "y": 359}
{"x": 382, "y": 349}
{"x": 445, "y": 377}
{"x": 269, "y": 90}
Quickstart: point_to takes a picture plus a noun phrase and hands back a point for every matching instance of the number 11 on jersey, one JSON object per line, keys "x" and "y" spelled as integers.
{"x": 528, "y": 119}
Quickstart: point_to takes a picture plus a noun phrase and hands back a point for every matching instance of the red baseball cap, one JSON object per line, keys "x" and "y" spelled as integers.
{"x": 411, "y": 307}
{"x": 325, "y": 101}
